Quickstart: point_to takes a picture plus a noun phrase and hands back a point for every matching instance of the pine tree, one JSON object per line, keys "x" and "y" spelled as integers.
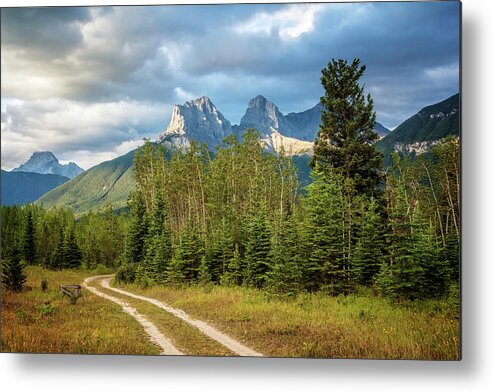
{"x": 233, "y": 274}
{"x": 369, "y": 250}
{"x": 426, "y": 253}
{"x": 175, "y": 274}
{"x": 158, "y": 250}
{"x": 72, "y": 253}
{"x": 137, "y": 230}
{"x": 192, "y": 250}
{"x": 13, "y": 277}
{"x": 345, "y": 140}
{"x": 257, "y": 249}
{"x": 30, "y": 240}
{"x": 323, "y": 235}
{"x": 205, "y": 276}
{"x": 57, "y": 258}
{"x": 285, "y": 275}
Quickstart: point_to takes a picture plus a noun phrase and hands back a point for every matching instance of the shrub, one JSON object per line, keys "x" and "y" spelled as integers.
{"x": 126, "y": 273}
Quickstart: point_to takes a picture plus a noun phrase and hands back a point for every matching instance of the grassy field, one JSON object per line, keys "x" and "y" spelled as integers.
{"x": 315, "y": 325}
{"x": 46, "y": 322}
{"x": 312, "y": 325}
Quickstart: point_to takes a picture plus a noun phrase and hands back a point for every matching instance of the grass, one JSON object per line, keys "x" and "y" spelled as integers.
{"x": 316, "y": 325}
{"x": 34, "y": 321}
{"x": 311, "y": 325}
{"x": 184, "y": 336}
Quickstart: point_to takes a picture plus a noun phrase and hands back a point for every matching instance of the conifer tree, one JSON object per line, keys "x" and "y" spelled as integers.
{"x": 204, "y": 277}
{"x": 233, "y": 274}
{"x": 284, "y": 277}
{"x": 30, "y": 239}
{"x": 158, "y": 250}
{"x": 175, "y": 273}
{"x": 369, "y": 250}
{"x": 435, "y": 274}
{"x": 192, "y": 250}
{"x": 72, "y": 253}
{"x": 257, "y": 249}
{"x": 323, "y": 240}
{"x": 137, "y": 230}
{"x": 13, "y": 277}
{"x": 345, "y": 140}
{"x": 57, "y": 258}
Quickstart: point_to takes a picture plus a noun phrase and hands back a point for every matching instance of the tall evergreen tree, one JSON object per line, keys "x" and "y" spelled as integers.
{"x": 257, "y": 249}
{"x": 192, "y": 250}
{"x": 72, "y": 253}
{"x": 345, "y": 140}
{"x": 369, "y": 250}
{"x": 30, "y": 239}
{"x": 158, "y": 250}
{"x": 285, "y": 275}
{"x": 233, "y": 274}
{"x": 137, "y": 230}
{"x": 13, "y": 277}
{"x": 323, "y": 235}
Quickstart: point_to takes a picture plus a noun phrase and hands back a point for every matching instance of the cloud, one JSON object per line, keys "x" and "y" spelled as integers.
{"x": 70, "y": 128}
{"x": 289, "y": 22}
{"x": 91, "y": 81}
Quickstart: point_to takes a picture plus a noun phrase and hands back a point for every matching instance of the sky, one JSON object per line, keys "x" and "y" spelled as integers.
{"x": 89, "y": 84}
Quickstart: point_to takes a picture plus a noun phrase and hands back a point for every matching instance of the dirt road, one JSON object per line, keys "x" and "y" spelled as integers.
{"x": 154, "y": 334}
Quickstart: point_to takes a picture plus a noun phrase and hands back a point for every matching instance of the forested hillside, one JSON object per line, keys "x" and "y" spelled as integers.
{"x": 108, "y": 182}
{"x": 21, "y": 187}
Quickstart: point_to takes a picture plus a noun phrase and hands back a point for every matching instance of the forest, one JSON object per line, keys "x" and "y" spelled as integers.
{"x": 238, "y": 216}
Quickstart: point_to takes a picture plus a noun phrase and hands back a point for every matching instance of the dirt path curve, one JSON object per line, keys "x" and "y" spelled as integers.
{"x": 154, "y": 334}
{"x": 202, "y": 326}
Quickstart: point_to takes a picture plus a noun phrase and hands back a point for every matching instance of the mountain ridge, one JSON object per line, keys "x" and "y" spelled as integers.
{"x": 112, "y": 181}
{"x": 22, "y": 188}
{"x": 200, "y": 120}
{"x": 419, "y": 132}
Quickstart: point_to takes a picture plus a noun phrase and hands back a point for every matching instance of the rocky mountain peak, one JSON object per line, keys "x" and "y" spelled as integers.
{"x": 262, "y": 115}
{"x": 199, "y": 120}
{"x": 45, "y": 162}
{"x": 42, "y": 156}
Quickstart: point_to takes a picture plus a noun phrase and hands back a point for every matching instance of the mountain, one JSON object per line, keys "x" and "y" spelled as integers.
{"x": 381, "y": 130}
{"x": 276, "y": 131}
{"x": 22, "y": 188}
{"x": 196, "y": 120}
{"x": 109, "y": 182}
{"x": 44, "y": 162}
{"x": 199, "y": 119}
{"x": 306, "y": 123}
{"x": 421, "y": 131}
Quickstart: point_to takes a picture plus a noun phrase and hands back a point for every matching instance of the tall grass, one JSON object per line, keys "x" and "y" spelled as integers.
{"x": 316, "y": 325}
{"x": 46, "y": 322}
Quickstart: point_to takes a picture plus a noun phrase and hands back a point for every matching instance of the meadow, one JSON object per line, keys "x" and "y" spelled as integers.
{"x": 361, "y": 325}
{"x": 34, "y": 321}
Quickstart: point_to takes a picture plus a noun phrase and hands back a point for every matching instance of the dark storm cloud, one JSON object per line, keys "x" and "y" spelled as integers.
{"x": 140, "y": 59}
{"x": 46, "y": 31}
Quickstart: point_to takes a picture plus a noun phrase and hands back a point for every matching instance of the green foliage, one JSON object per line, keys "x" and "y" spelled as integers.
{"x": 13, "y": 277}
{"x": 205, "y": 276}
{"x": 347, "y": 127}
{"x": 257, "y": 249}
{"x": 137, "y": 229}
{"x": 370, "y": 245}
{"x": 30, "y": 240}
{"x": 323, "y": 240}
{"x": 285, "y": 275}
{"x": 126, "y": 273}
